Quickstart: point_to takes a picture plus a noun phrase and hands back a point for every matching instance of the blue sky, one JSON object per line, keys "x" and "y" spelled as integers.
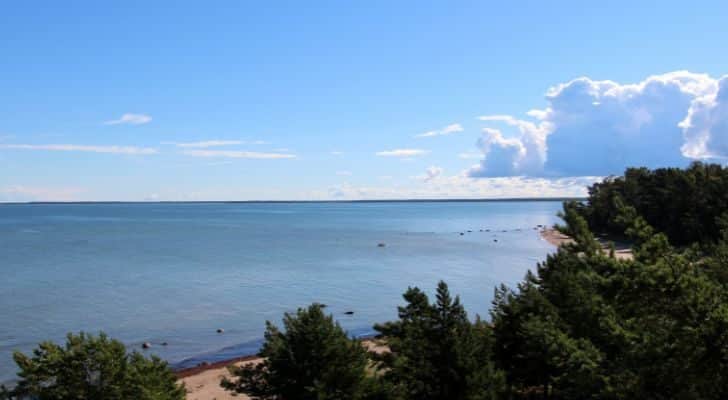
{"x": 351, "y": 100}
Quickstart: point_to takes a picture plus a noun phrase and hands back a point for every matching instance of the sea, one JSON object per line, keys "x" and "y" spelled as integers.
{"x": 173, "y": 274}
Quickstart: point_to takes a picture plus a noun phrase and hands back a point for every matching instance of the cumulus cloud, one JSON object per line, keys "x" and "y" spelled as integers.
{"x": 706, "y": 125}
{"x": 130, "y": 119}
{"x": 450, "y": 129}
{"x": 237, "y": 154}
{"x": 592, "y": 127}
{"x": 132, "y": 150}
{"x": 402, "y": 153}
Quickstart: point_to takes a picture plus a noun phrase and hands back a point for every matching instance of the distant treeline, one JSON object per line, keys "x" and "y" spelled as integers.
{"x": 583, "y": 325}
{"x": 688, "y": 205}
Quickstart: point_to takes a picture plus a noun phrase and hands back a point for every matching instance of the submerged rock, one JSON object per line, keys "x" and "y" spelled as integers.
{"x": 220, "y": 330}
{"x": 146, "y": 345}
{"x": 349, "y": 312}
{"x": 381, "y": 244}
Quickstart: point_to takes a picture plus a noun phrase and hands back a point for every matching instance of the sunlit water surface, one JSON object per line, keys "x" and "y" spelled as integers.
{"x": 176, "y": 273}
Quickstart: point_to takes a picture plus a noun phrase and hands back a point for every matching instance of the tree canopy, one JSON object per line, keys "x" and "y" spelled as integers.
{"x": 686, "y": 205}
{"x": 436, "y": 353}
{"x": 92, "y": 367}
{"x": 312, "y": 358}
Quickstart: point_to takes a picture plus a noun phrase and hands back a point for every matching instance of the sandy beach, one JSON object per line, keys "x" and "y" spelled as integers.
{"x": 203, "y": 382}
{"x": 556, "y": 238}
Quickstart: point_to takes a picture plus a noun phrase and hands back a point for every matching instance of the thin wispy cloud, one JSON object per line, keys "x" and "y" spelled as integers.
{"x": 337, "y": 153}
{"x": 209, "y": 143}
{"x": 132, "y": 150}
{"x": 448, "y": 130}
{"x": 130, "y": 119}
{"x": 402, "y": 153}
{"x": 343, "y": 173}
{"x": 237, "y": 154}
{"x": 432, "y": 173}
{"x": 36, "y": 193}
{"x": 467, "y": 155}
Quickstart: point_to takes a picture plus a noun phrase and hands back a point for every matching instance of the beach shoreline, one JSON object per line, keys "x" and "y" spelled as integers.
{"x": 203, "y": 381}
{"x": 622, "y": 249}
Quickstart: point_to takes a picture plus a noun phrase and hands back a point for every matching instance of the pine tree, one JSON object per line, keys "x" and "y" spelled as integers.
{"x": 312, "y": 358}
{"x": 436, "y": 352}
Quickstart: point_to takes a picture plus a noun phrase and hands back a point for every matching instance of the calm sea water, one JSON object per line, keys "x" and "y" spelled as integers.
{"x": 177, "y": 272}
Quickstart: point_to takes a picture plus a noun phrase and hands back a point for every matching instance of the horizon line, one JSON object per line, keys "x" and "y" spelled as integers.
{"x": 471, "y": 200}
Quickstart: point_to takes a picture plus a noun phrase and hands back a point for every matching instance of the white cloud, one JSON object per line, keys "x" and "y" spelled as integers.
{"x": 337, "y": 153}
{"x": 133, "y": 150}
{"x": 209, "y": 143}
{"x": 402, "y": 153}
{"x": 130, "y": 119}
{"x": 592, "y": 127}
{"x": 237, "y": 154}
{"x": 464, "y": 187}
{"x": 450, "y": 129}
{"x": 706, "y": 125}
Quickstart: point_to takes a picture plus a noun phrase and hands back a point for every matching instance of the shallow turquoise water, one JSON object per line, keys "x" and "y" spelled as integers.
{"x": 176, "y": 272}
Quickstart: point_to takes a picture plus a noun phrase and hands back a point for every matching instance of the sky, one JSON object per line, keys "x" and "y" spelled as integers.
{"x": 230, "y": 100}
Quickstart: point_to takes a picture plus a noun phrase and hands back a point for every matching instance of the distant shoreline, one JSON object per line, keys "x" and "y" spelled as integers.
{"x": 494, "y": 200}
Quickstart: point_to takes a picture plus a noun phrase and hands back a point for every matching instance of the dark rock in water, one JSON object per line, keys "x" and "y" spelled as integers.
{"x": 203, "y": 364}
{"x": 349, "y": 312}
{"x": 461, "y": 233}
{"x": 469, "y": 231}
{"x": 381, "y": 245}
{"x": 323, "y": 305}
{"x": 481, "y": 230}
{"x": 164, "y": 343}
{"x": 220, "y": 330}
{"x": 495, "y": 240}
{"x": 146, "y": 345}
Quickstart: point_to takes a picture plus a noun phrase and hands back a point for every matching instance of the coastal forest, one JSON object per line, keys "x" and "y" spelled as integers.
{"x": 583, "y": 324}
